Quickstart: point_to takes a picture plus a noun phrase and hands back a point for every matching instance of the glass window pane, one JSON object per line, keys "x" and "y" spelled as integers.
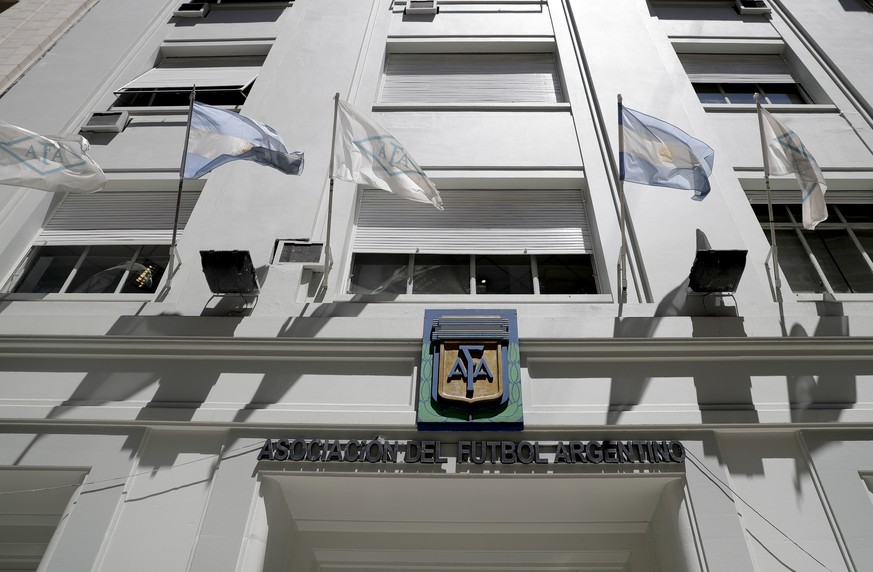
{"x": 840, "y": 260}
{"x": 102, "y": 269}
{"x": 782, "y": 93}
{"x": 441, "y": 274}
{"x": 709, "y": 93}
{"x": 566, "y": 274}
{"x": 795, "y": 263}
{"x": 740, "y": 92}
{"x": 503, "y": 275}
{"x": 49, "y": 269}
{"x": 147, "y": 271}
{"x": 379, "y": 273}
{"x": 852, "y": 213}
{"x": 780, "y": 214}
{"x": 865, "y": 237}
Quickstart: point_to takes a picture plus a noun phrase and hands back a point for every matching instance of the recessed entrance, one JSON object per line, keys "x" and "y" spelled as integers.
{"x": 416, "y": 523}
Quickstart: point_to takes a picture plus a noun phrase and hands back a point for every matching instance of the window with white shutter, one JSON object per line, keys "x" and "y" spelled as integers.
{"x": 471, "y": 78}
{"x": 736, "y": 78}
{"x": 110, "y": 242}
{"x": 484, "y": 242}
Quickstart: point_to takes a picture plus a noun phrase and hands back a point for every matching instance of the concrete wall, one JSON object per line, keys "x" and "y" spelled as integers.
{"x": 163, "y": 403}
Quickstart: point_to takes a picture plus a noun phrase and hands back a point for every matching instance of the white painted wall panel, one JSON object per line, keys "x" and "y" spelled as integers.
{"x": 468, "y": 139}
{"x": 228, "y": 24}
{"x": 477, "y": 20}
{"x": 162, "y": 509}
{"x": 827, "y": 136}
{"x": 770, "y": 474}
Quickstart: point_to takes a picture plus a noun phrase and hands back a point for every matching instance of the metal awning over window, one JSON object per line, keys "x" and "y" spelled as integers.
{"x": 478, "y": 221}
{"x": 236, "y": 73}
{"x": 118, "y": 217}
{"x": 736, "y": 68}
{"x": 472, "y": 78}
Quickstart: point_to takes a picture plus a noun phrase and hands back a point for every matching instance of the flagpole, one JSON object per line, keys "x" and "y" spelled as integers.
{"x": 623, "y": 256}
{"x": 773, "y": 248}
{"x": 328, "y": 257}
{"x": 173, "y": 254}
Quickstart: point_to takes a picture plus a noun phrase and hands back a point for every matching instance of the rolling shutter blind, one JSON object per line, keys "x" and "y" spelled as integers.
{"x": 118, "y": 217}
{"x": 736, "y": 68}
{"x": 475, "y": 222}
{"x": 471, "y": 78}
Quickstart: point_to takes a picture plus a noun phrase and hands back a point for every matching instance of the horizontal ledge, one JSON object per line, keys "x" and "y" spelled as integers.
{"x": 623, "y": 350}
{"x": 466, "y": 44}
{"x": 509, "y": 106}
{"x": 775, "y": 108}
{"x": 726, "y": 45}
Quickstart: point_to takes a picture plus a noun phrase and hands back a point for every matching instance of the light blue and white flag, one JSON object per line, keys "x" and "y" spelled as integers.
{"x": 788, "y": 155}
{"x": 58, "y": 164}
{"x": 219, "y": 136}
{"x": 364, "y": 152}
{"x": 660, "y": 154}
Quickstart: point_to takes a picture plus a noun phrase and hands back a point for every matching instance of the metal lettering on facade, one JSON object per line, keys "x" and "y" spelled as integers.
{"x": 475, "y": 452}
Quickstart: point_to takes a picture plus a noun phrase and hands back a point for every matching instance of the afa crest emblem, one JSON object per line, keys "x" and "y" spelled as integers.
{"x": 470, "y": 376}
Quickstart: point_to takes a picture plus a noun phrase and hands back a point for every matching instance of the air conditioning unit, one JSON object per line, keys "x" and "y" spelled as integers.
{"x": 311, "y": 255}
{"x": 421, "y": 7}
{"x": 752, "y": 7}
{"x": 106, "y": 122}
{"x": 191, "y": 10}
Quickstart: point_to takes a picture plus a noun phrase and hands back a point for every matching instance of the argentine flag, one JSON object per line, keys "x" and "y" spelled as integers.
{"x": 219, "y": 136}
{"x": 660, "y": 154}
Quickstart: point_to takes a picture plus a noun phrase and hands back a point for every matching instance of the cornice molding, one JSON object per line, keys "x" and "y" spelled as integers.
{"x": 614, "y": 350}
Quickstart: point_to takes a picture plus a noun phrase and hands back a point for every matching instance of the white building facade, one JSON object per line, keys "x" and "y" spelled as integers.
{"x": 149, "y": 423}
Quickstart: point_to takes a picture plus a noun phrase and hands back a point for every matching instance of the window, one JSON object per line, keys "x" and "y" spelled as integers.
{"x": 471, "y": 78}
{"x": 111, "y": 242}
{"x": 735, "y": 78}
{"x": 5, "y": 4}
{"x": 220, "y": 80}
{"x": 485, "y": 242}
{"x": 835, "y": 257}
{"x": 99, "y": 269}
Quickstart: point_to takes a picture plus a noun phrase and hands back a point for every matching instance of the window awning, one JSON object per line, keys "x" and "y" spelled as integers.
{"x": 160, "y": 79}
{"x": 182, "y": 73}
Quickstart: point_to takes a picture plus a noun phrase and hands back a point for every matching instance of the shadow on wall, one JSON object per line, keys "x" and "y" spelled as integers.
{"x": 719, "y": 390}
{"x": 857, "y": 5}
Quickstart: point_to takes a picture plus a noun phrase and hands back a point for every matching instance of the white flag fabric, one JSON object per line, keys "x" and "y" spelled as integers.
{"x": 364, "y": 152}
{"x": 219, "y": 136}
{"x": 788, "y": 155}
{"x": 57, "y": 164}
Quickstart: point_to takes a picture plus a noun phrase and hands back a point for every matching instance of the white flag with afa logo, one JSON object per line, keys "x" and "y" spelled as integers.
{"x": 364, "y": 152}
{"x": 58, "y": 164}
{"x": 788, "y": 155}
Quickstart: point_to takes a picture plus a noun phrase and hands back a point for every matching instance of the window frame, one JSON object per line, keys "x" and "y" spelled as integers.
{"x": 840, "y": 224}
{"x": 71, "y": 223}
{"x": 117, "y": 294}
{"x": 429, "y": 247}
{"x": 762, "y": 69}
{"x": 434, "y": 47}
{"x": 474, "y": 277}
